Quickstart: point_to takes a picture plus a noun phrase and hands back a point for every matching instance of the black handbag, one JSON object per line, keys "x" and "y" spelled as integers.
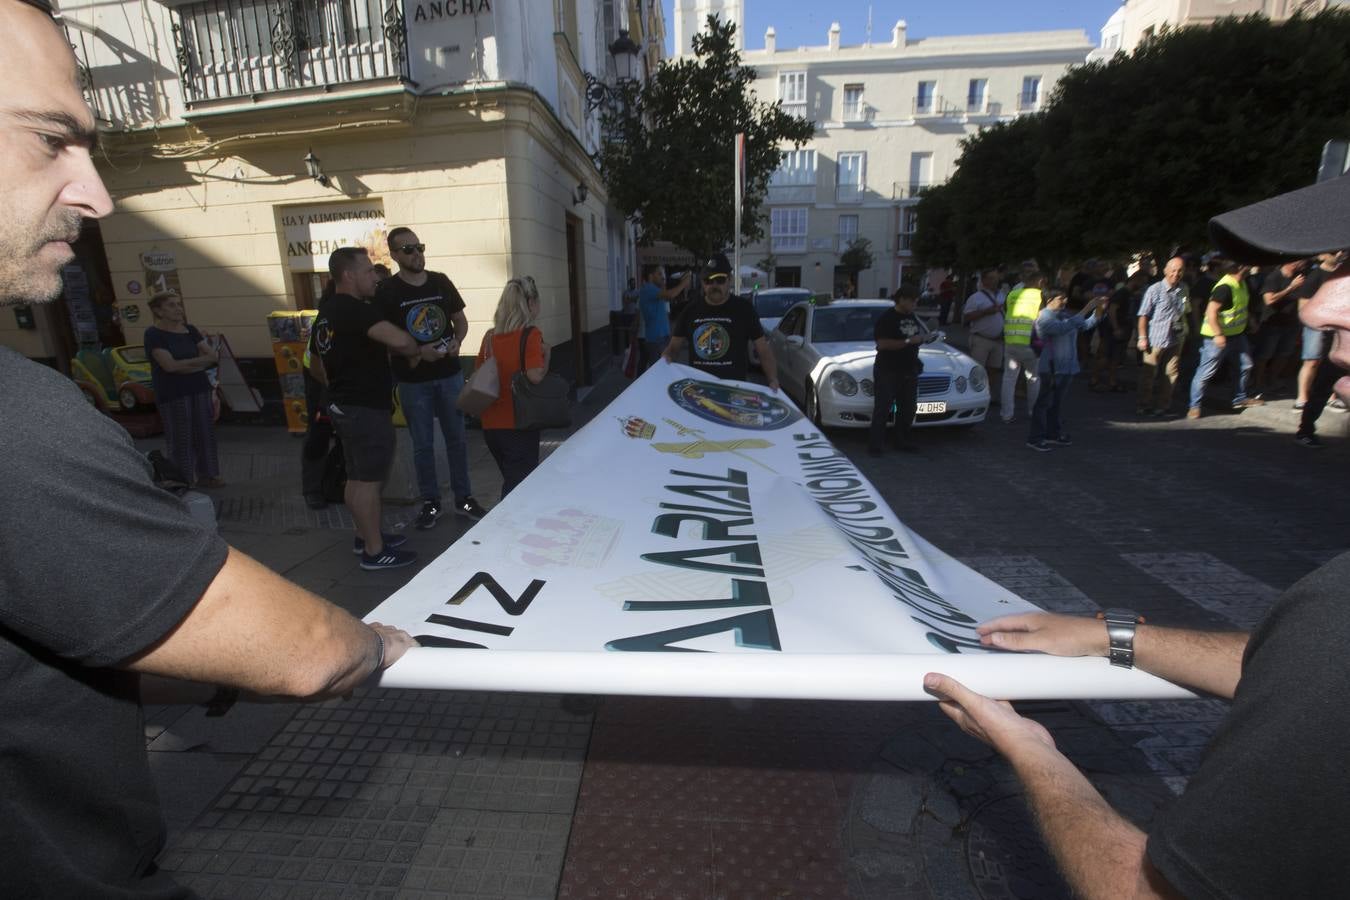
{"x": 542, "y": 405}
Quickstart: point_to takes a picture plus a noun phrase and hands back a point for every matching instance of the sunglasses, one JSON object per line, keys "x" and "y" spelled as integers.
{"x": 715, "y": 279}
{"x": 413, "y": 248}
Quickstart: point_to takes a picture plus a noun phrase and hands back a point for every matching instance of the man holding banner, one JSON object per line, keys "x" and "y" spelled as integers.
{"x": 719, "y": 328}
{"x": 1270, "y": 803}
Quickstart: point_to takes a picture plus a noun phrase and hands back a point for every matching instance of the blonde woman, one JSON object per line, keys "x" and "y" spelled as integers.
{"x": 179, "y": 357}
{"x": 515, "y": 451}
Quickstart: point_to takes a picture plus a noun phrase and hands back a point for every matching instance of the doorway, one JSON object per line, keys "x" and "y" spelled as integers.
{"x": 308, "y": 288}
{"x": 581, "y": 370}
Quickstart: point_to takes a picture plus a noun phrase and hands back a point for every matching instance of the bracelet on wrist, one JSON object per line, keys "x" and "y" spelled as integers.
{"x": 379, "y": 654}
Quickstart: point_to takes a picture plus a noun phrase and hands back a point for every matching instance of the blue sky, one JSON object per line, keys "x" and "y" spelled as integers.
{"x": 807, "y": 22}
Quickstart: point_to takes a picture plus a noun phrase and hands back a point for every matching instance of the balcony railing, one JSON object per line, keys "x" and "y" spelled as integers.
{"x": 909, "y": 190}
{"x": 788, "y": 243}
{"x": 848, "y": 193}
{"x": 241, "y": 48}
{"x": 791, "y": 193}
{"x": 1028, "y": 102}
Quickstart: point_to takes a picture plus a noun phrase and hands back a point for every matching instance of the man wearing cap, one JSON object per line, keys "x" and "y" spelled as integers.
{"x": 1269, "y": 805}
{"x": 1223, "y": 330}
{"x": 719, "y": 328}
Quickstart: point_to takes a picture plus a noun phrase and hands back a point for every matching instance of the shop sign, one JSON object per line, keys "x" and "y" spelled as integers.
{"x": 452, "y": 41}
{"x": 312, "y": 233}
{"x": 161, "y": 271}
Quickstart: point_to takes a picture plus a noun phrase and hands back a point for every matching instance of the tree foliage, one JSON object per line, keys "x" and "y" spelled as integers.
{"x": 1139, "y": 152}
{"x": 669, "y": 158}
{"x": 857, "y": 256}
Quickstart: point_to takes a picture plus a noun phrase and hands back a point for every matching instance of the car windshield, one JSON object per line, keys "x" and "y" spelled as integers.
{"x": 833, "y": 324}
{"x": 774, "y": 304}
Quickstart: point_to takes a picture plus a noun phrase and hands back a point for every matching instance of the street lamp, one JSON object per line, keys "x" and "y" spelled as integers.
{"x": 313, "y": 169}
{"x": 625, "y": 52}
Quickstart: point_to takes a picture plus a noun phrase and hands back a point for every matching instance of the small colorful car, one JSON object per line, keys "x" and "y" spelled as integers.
{"x": 116, "y": 379}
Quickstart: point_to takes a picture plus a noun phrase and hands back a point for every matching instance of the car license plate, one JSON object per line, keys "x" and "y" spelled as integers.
{"x": 937, "y": 406}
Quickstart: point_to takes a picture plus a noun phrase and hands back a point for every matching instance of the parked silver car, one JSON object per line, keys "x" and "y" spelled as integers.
{"x": 825, "y": 354}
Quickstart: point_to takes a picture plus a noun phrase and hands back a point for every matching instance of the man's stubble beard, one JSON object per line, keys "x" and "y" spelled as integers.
{"x": 23, "y": 279}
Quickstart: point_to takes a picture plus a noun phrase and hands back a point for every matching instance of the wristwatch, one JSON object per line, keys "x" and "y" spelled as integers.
{"x": 1120, "y": 624}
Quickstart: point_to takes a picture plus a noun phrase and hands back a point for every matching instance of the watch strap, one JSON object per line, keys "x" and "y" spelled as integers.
{"x": 1120, "y": 626}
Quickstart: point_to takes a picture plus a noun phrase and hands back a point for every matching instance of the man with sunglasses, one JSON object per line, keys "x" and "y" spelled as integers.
{"x": 427, "y": 305}
{"x": 1270, "y": 803}
{"x": 719, "y": 328}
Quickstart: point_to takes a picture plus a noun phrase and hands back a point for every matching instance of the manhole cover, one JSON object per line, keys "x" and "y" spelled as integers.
{"x": 1007, "y": 857}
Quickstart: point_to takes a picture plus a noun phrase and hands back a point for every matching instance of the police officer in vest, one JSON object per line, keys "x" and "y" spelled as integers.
{"x": 1024, "y": 305}
{"x": 1224, "y": 332}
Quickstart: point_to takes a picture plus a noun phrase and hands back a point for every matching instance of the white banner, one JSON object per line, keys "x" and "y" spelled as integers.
{"x": 703, "y": 515}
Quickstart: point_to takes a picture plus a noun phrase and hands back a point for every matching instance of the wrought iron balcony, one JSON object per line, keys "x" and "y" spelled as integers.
{"x": 243, "y": 48}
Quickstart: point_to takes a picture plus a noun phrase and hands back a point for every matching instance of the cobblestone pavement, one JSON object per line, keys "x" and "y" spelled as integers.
{"x": 425, "y": 794}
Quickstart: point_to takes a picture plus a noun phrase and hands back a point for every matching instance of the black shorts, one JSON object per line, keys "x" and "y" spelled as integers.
{"x": 367, "y": 440}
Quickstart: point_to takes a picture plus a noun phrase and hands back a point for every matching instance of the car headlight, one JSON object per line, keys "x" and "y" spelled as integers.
{"x": 960, "y": 384}
{"x": 868, "y": 388}
{"x": 978, "y": 380}
{"x": 843, "y": 383}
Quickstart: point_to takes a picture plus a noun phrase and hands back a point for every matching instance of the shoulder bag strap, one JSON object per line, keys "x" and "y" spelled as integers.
{"x": 524, "y": 335}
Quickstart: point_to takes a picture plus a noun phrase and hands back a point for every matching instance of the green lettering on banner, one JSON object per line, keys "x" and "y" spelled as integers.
{"x": 668, "y": 524}
{"x": 756, "y": 630}
{"x": 740, "y": 553}
{"x": 743, "y": 593}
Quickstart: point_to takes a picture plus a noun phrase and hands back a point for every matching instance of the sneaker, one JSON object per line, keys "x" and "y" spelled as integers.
{"x": 1041, "y": 446}
{"x": 431, "y": 511}
{"x": 1062, "y": 441}
{"x": 1193, "y": 412}
{"x": 391, "y": 541}
{"x": 1299, "y": 404}
{"x": 471, "y": 508}
{"x": 1310, "y": 440}
{"x": 388, "y": 559}
{"x": 1249, "y": 402}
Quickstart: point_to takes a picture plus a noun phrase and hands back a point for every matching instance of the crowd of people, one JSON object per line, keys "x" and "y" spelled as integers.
{"x": 1177, "y": 326}
{"x": 81, "y": 618}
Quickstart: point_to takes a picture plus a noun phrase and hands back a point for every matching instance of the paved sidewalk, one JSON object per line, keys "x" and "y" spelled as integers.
{"x": 450, "y": 794}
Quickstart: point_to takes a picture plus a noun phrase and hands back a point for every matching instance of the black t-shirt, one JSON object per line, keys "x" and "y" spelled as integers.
{"x": 357, "y": 365}
{"x": 426, "y": 312}
{"x": 891, "y": 324}
{"x": 719, "y": 336}
{"x": 1285, "y": 310}
{"x": 181, "y": 345}
{"x": 1268, "y": 812}
{"x": 96, "y": 565}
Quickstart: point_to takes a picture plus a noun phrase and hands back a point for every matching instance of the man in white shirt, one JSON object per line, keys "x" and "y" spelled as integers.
{"x": 983, "y": 316}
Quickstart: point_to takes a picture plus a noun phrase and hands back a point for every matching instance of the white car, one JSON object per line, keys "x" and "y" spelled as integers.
{"x": 825, "y": 354}
{"x": 770, "y": 305}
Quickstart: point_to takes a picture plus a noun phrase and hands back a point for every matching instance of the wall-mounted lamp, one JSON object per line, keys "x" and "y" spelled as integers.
{"x": 312, "y": 167}
{"x": 579, "y": 195}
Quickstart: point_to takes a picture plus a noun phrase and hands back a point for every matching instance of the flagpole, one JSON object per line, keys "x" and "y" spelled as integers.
{"x": 740, "y": 189}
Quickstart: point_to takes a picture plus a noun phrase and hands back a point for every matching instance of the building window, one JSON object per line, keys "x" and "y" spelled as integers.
{"x": 787, "y": 229}
{"x": 850, "y": 181}
{"x": 792, "y": 92}
{"x": 565, "y": 22}
{"x": 853, "y": 105}
{"x": 848, "y": 231}
{"x": 909, "y": 223}
{"x": 976, "y": 96}
{"x": 925, "y": 97}
{"x": 787, "y": 276}
{"x": 1031, "y": 93}
{"x": 920, "y": 173}
{"x": 797, "y": 167}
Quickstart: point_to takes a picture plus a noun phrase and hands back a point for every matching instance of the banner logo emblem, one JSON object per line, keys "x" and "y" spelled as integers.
{"x": 726, "y": 403}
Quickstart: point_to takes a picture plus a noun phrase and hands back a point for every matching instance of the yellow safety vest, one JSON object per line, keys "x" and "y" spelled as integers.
{"x": 1023, "y": 306}
{"x": 1232, "y": 320}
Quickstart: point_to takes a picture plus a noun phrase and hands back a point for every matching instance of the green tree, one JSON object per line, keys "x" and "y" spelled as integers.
{"x": 1139, "y": 152}
{"x": 856, "y": 257}
{"x": 668, "y": 158}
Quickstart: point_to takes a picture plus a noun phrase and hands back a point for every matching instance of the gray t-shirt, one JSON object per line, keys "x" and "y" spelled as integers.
{"x": 1268, "y": 812}
{"x": 96, "y": 565}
